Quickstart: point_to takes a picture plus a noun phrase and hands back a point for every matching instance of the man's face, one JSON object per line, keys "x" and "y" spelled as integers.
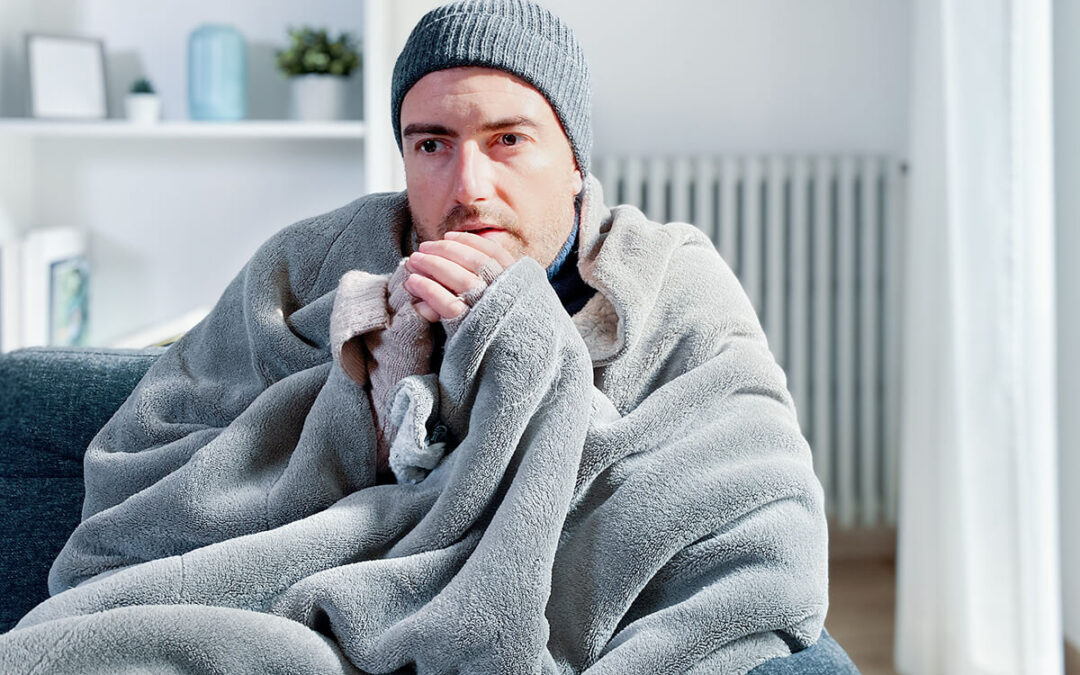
{"x": 485, "y": 153}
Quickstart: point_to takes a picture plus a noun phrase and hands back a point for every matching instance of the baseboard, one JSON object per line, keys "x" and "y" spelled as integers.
{"x": 861, "y": 543}
{"x": 1072, "y": 659}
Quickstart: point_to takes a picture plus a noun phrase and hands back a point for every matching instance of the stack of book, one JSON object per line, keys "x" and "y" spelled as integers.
{"x": 44, "y": 289}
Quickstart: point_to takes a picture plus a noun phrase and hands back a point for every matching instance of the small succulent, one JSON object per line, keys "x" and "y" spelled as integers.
{"x": 142, "y": 86}
{"x": 311, "y": 51}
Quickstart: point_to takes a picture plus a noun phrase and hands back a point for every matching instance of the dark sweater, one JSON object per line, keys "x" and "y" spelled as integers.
{"x": 563, "y": 274}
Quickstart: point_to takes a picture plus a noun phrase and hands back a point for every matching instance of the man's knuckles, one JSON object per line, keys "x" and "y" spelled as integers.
{"x": 489, "y": 248}
{"x": 449, "y": 274}
{"x": 465, "y": 256}
{"x": 438, "y": 297}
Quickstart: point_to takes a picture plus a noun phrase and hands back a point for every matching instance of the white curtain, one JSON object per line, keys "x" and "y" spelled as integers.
{"x": 977, "y": 570}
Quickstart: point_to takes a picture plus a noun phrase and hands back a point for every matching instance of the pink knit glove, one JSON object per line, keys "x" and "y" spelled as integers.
{"x": 379, "y": 339}
{"x": 402, "y": 349}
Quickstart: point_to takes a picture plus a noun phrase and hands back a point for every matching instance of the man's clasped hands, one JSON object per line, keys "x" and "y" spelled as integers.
{"x": 384, "y": 323}
{"x": 442, "y": 271}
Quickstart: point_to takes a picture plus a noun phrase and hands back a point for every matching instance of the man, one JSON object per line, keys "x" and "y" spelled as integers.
{"x": 486, "y": 426}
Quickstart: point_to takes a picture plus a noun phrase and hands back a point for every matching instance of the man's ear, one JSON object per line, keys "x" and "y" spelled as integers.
{"x": 577, "y": 182}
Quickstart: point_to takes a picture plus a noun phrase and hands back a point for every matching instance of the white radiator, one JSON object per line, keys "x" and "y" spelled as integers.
{"x": 814, "y": 241}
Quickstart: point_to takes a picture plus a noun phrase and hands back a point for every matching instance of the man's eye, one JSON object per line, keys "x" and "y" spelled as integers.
{"x": 429, "y": 146}
{"x": 510, "y": 139}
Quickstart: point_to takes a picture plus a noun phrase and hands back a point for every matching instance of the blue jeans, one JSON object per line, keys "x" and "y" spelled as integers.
{"x": 824, "y": 657}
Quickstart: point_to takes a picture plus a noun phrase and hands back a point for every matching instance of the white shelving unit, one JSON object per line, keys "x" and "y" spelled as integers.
{"x": 173, "y": 210}
{"x": 121, "y": 129}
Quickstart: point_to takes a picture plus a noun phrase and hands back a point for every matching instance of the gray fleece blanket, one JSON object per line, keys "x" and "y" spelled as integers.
{"x": 623, "y": 491}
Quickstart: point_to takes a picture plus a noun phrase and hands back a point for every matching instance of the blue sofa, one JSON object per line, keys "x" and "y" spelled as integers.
{"x": 52, "y": 402}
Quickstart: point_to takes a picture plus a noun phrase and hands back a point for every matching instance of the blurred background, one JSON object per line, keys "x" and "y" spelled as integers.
{"x": 881, "y": 175}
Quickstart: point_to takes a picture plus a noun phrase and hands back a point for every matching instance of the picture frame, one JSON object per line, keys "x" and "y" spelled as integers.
{"x": 54, "y": 304}
{"x": 66, "y": 75}
{"x": 69, "y": 304}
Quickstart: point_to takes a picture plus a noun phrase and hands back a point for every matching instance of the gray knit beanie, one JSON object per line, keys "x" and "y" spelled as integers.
{"x": 517, "y": 36}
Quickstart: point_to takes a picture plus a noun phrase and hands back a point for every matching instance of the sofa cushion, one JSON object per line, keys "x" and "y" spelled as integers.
{"x": 52, "y": 402}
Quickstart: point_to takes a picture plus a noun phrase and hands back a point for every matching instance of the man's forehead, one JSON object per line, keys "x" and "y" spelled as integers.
{"x": 474, "y": 77}
{"x": 502, "y": 97}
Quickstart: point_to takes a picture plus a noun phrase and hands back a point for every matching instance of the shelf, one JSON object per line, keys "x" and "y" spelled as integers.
{"x": 119, "y": 129}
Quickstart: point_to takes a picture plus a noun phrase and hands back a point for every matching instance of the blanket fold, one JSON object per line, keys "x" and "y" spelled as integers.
{"x": 624, "y": 491}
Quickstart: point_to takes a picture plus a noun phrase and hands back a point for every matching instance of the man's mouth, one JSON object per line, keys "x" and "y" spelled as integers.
{"x": 481, "y": 229}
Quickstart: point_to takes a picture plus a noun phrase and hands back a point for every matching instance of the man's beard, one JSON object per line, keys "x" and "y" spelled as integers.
{"x": 463, "y": 213}
{"x": 518, "y": 245}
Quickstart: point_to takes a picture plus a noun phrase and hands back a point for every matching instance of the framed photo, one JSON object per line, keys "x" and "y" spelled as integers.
{"x": 66, "y": 76}
{"x": 55, "y": 287}
{"x": 69, "y": 304}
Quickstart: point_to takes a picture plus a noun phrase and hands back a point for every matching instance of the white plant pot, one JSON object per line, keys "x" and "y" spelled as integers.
{"x": 318, "y": 98}
{"x": 143, "y": 108}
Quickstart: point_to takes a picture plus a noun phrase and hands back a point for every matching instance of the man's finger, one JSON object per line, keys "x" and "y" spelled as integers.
{"x": 453, "y": 276}
{"x": 492, "y": 248}
{"x": 446, "y": 304}
{"x": 425, "y": 310}
{"x": 466, "y": 256}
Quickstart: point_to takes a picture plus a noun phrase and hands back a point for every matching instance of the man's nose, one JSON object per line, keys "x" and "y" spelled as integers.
{"x": 473, "y": 174}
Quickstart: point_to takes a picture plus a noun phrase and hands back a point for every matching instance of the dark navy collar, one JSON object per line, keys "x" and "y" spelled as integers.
{"x": 563, "y": 273}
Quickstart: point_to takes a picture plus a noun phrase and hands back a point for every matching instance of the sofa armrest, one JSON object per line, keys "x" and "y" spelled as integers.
{"x": 52, "y": 403}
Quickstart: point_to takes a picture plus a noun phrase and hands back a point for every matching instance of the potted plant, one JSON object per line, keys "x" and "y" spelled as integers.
{"x": 318, "y": 68}
{"x": 142, "y": 103}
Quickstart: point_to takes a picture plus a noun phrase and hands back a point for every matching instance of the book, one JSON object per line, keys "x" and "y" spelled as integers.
{"x": 55, "y": 294}
{"x": 10, "y": 302}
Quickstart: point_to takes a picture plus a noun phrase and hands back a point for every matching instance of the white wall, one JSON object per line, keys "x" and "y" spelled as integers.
{"x": 707, "y": 76}
{"x": 151, "y": 39}
{"x": 16, "y": 18}
{"x": 712, "y": 76}
{"x": 396, "y": 17}
{"x": 13, "y": 15}
{"x": 14, "y": 205}
{"x": 1067, "y": 158}
{"x": 16, "y": 182}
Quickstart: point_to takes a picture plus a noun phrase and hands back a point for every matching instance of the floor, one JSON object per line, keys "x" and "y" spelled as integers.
{"x": 862, "y": 579}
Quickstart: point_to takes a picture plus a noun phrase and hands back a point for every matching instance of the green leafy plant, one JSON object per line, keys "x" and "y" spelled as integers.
{"x": 311, "y": 51}
{"x": 142, "y": 86}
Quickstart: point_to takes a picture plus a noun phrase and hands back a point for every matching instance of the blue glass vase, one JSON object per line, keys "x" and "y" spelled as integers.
{"x": 217, "y": 74}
